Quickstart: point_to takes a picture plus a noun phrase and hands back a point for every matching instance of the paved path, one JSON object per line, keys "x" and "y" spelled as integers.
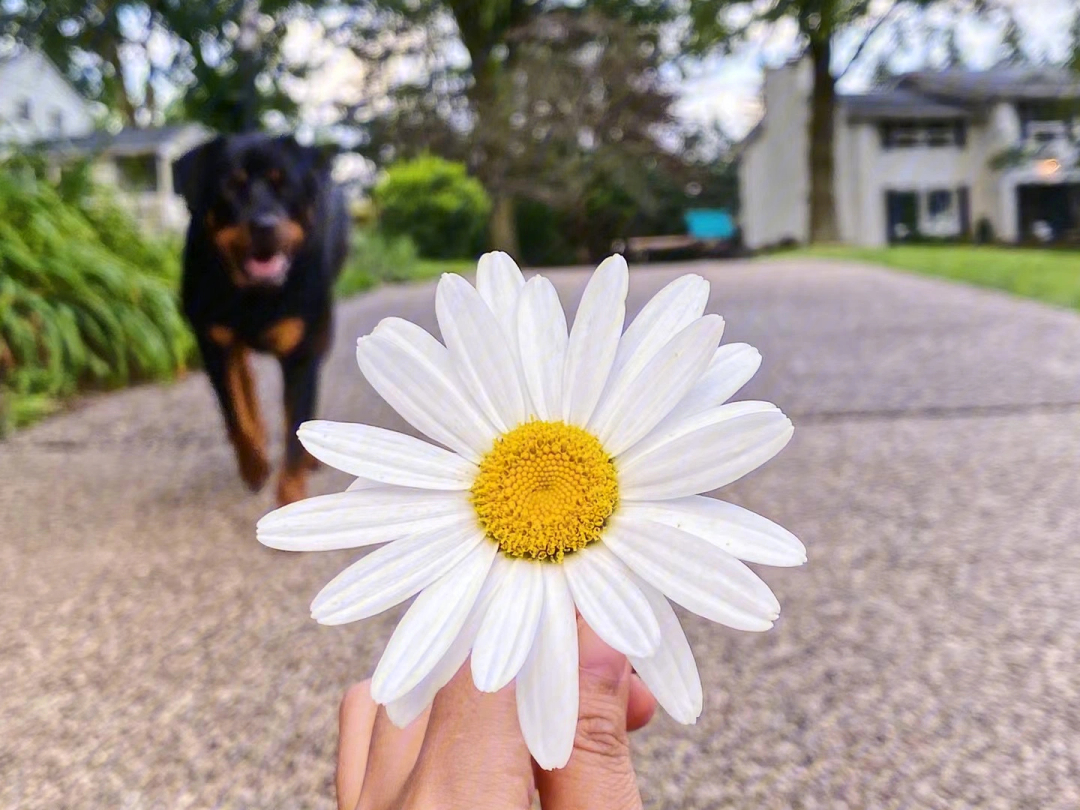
{"x": 153, "y": 655}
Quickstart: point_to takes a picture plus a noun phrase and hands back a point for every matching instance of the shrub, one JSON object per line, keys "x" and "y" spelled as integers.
{"x": 436, "y": 204}
{"x": 83, "y": 304}
{"x": 376, "y": 258}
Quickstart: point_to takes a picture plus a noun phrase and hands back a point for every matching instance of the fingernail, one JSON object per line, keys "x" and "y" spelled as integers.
{"x": 598, "y": 658}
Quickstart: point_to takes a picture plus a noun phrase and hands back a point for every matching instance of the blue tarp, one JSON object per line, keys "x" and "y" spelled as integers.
{"x": 707, "y": 223}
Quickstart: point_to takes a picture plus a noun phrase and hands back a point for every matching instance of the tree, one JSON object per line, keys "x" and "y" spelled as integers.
{"x": 220, "y": 62}
{"x": 1072, "y": 61}
{"x": 819, "y": 22}
{"x": 1012, "y": 42}
{"x": 560, "y": 69}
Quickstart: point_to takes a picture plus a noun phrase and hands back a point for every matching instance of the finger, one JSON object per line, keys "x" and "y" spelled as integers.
{"x": 474, "y": 755}
{"x": 641, "y": 705}
{"x": 390, "y": 761}
{"x": 355, "y": 721}
{"x": 599, "y": 773}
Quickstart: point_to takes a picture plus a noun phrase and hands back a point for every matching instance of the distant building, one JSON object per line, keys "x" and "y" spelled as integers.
{"x": 947, "y": 154}
{"x": 40, "y": 109}
{"x": 37, "y": 102}
{"x": 138, "y": 164}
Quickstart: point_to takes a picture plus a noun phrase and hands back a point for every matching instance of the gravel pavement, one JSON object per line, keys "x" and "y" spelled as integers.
{"x": 153, "y": 655}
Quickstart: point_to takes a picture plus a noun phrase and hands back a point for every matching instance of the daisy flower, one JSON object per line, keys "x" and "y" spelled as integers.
{"x": 563, "y": 477}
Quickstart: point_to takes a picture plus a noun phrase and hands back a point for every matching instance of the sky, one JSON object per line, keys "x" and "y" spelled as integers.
{"x": 728, "y": 90}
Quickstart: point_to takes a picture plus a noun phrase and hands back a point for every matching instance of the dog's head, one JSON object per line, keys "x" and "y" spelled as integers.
{"x": 256, "y": 196}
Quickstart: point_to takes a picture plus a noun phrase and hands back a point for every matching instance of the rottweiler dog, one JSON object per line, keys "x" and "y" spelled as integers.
{"x": 269, "y": 234}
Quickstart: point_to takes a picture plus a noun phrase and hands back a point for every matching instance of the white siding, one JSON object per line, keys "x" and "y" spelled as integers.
{"x": 774, "y": 172}
{"x": 31, "y": 84}
{"x": 774, "y": 179}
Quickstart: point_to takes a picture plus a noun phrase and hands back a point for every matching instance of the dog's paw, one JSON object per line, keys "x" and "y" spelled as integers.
{"x": 254, "y": 467}
{"x": 292, "y": 487}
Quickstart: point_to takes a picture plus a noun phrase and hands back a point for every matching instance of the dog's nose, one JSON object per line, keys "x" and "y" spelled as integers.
{"x": 264, "y": 225}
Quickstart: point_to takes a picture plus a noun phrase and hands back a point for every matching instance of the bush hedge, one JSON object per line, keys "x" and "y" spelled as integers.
{"x": 436, "y": 204}
{"x": 86, "y": 301}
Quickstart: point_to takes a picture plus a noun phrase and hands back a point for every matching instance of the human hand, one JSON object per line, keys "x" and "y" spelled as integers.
{"x": 467, "y": 752}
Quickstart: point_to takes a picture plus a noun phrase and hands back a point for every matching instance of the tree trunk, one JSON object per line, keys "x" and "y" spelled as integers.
{"x": 823, "y": 225}
{"x": 504, "y": 225}
{"x": 488, "y": 84}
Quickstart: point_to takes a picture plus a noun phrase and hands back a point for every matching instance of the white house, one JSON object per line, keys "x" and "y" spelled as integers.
{"x": 39, "y": 109}
{"x": 947, "y": 154}
{"x": 138, "y": 164}
{"x": 38, "y": 103}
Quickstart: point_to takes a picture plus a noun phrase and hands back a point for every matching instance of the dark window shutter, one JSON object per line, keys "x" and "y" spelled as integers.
{"x": 963, "y": 199}
{"x": 961, "y": 133}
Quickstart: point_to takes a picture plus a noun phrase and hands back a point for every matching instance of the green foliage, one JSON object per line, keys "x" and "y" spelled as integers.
{"x": 1043, "y": 274}
{"x": 543, "y": 235}
{"x": 83, "y": 304}
{"x": 436, "y": 204}
{"x": 376, "y": 258}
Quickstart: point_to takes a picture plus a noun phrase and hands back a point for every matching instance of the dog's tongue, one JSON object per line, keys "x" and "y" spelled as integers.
{"x": 271, "y": 269}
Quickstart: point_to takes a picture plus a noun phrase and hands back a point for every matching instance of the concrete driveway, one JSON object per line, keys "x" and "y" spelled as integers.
{"x": 153, "y": 655}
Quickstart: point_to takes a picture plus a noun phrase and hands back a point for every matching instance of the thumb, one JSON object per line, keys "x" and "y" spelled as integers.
{"x": 599, "y": 773}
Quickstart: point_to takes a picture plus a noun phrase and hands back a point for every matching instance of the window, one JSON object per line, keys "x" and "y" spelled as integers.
{"x": 939, "y": 203}
{"x": 23, "y": 110}
{"x": 940, "y": 135}
{"x": 899, "y": 135}
{"x": 905, "y": 134}
{"x": 137, "y": 172}
{"x": 57, "y": 118}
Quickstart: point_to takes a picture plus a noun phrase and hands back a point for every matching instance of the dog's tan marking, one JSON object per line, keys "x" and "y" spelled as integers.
{"x": 291, "y": 235}
{"x": 284, "y": 336}
{"x": 221, "y": 335}
{"x": 249, "y": 437}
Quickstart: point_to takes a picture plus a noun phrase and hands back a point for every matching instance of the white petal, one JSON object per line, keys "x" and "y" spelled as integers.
{"x": 637, "y": 406}
{"x": 499, "y": 282}
{"x": 594, "y": 340}
{"x": 362, "y": 517}
{"x": 413, "y": 373}
{"x": 430, "y": 625}
{"x": 408, "y": 707}
{"x": 693, "y": 573}
{"x": 542, "y": 338}
{"x": 547, "y": 687}
{"x": 740, "y": 532}
{"x": 610, "y": 602}
{"x": 386, "y": 456}
{"x": 671, "y": 674}
{"x": 361, "y": 483}
{"x": 731, "y": 368}
{"x": 484, "y": 362}
{"x": 703, "y": 453}
{"x": 509, "y": 628}
{"x": 670, "y": 311}
{"x": 390, "y": 575}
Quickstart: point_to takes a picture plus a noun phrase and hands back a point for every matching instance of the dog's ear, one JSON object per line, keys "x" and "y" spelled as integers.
{"x": 192, "y": 176}
{"x": 314, "y": 160}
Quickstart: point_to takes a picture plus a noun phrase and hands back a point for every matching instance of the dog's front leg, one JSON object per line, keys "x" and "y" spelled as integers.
{"x": 300, "y": 372}
{"x": 226, "y": 363}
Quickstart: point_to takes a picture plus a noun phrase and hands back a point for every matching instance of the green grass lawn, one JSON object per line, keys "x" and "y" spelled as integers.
{"x": 1052, "y": 276}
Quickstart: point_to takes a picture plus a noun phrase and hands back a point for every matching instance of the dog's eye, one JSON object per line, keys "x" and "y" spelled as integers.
{"x": 238, "y": 178}
{"x": 274, "y": 177}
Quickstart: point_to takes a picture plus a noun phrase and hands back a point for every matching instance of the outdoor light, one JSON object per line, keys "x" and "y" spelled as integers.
{"x": 1048, "y": 167}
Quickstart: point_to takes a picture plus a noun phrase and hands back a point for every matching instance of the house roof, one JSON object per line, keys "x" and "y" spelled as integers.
{"x": 1005, "y": 82}
{"x": 128, "y": 141}
{"x": 899, "y": 104}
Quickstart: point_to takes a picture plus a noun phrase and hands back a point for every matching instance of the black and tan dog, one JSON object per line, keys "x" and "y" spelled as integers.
{"x": 268, "y": 236}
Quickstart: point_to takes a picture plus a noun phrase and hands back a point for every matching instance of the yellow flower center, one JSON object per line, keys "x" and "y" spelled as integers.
{"x": 545, "y": 490}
